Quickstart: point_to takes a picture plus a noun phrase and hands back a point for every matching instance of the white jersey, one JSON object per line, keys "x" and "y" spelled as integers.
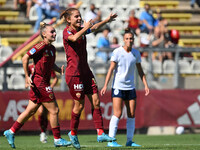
{"x": 124, "y": 71}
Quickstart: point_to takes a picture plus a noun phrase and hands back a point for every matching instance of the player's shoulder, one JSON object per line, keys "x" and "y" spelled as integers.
{"x": 118, "y": 49}
{"x": 40, "y": 45}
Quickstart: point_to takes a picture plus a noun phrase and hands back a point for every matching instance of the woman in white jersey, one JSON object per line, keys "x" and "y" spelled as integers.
{"x": 123, "y": 62}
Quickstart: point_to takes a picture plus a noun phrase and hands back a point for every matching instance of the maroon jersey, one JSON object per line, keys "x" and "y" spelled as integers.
{"x": 76, "y": 54}
{"x": 31, "y": 71}
{"x": 44, "y": 58}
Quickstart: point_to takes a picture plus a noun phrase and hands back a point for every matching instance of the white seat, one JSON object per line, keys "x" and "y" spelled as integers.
{"x": 119, "y": 37}
{"x": 122, "y": 3}
{"x": 157, "y": 66}
{"x": 134, "y": 3}
{"x": 184, "y": 66}
{"x": 14, "y": 70}
{"x": 105, "y": 12}
{"x": 33, "y": 14}
{"x": 111, "y": 3}
{"x": 97, "y": 3}
{"x": 85, "y": 3}
{"x": 5, "y": 52}
{"x": 195, "y": 66}
{"x": 1, "y": 81}
{"x": 99, "y": 67}
{"x": 145, "y": 65}
{"x": 91, "y": 52}
{"x": 59, "y": 39}
{"x": 116, "y": 26}
{"x": 120, "y": 13}
{"x": 91, "y": 39}
{"x": 16, "y": 82}
{"x": 168, "y": 67}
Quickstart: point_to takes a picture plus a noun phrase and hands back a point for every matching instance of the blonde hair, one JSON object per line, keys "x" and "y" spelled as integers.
{"x": 43, "y": 26}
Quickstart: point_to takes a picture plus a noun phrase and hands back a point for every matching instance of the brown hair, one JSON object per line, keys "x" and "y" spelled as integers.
{"x": 128, "y": 30}
{"x": 67, "y": 13}
{"x": 43, "y": 26}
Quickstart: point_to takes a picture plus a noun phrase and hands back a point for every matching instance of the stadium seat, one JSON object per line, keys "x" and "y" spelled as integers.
{"x": 176, "y": 16}
{"x": 134, "y": 3}
{"x": 16, "y": 82}
{"x": 122, "y": 3}
{"x": 195, "y": 66}
{"x": 99, "y": 67}
{"x": 119, "y": 37}
{"x": 14, "y": 70}
{"x": 5, "y": 51}
{"x": 194, "y": 30}
{"x": 33, "y": 14}
{"x": 2, "y": 2}
{"x": 117, "y": 26}
{"x": 91, "y": 52}
{"x": 98, "y": 3}
{"x": 1, "y": 81}
{"x": 91, "y": 39}
{"x": 85, "y": 3}
{"x": 157, "y": 67}
{"x": 121, "y": 13}
{"x": 189, "y": 42}
{"x": 59, "y": 39}
{"x": 160, "y": 3}
{"x": 9, "y": 15}
{"x": 168, "y": 67}
{"x": 184, "y": 67}
{"x": 15, "y": 27}
{"x": 105, "y": 11}
{"x": 145, "y": 65}
{"x": 110, "y": 4}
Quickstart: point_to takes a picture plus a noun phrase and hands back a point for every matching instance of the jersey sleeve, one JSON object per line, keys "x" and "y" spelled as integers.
{"x": 138, "y": 57}
{"x": 114, "y": 56}
{"x": 53, "y": 74}
{"x": 32, "y": 52}
{"x": 66, "y": 34}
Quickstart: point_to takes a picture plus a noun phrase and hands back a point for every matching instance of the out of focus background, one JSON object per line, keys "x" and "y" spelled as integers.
{"x": 167, "y": 33}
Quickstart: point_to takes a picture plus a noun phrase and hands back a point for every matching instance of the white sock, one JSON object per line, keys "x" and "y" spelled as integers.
{"x": 130, "y": 128}
{"x": 11, "y": 131}
{"x": 55, "y": 140}
{"x": 113, "y": 126}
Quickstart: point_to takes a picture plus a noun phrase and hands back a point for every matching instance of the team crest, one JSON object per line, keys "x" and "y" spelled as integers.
{"x": 51, "y": 96}
{"x": 78, "y": 95}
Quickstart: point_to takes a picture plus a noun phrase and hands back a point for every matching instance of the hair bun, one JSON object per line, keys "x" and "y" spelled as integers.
{"x": 42, "y": 24}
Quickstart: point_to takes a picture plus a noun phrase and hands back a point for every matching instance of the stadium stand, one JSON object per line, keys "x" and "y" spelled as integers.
{"x": 160, "y": 4}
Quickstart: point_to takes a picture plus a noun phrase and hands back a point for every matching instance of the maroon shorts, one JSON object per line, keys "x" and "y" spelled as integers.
{"x": 41, "y": 94}
{"x": 79, "y": 86}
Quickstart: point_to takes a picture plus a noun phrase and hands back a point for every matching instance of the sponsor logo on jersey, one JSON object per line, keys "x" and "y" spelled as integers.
{"x": 69, "y": 32}
{"x": 78, "y": 87}
{"x": 51, "y": 96}
{"x": 78, "y": 95}
{"x": 32, "y": 51}
{"x": 48, "y": 89}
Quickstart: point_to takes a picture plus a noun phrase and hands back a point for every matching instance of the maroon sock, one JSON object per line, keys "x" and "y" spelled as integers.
{"x": 97, "y": 118}
{"x": 56, "y": 132}
{"x": 16, "y": 126}
{"x": 43, "y": 122}
{"x": 74, "y": 122}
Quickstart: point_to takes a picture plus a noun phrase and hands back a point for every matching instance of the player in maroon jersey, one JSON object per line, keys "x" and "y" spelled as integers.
{"x": 43, "y": 55}
{"x": 42, "y": 111}
{"x": 79, "y": 77}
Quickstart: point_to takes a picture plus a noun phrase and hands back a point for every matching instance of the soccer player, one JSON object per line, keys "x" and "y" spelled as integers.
{"x": 42, "y": 111}
{"x": 123, "y": 62}
{"x": 43, "y": 55}
{"x": 79, "y": 77}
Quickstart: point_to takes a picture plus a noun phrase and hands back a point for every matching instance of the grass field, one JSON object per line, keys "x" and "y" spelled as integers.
{"x": 88, "y": 142}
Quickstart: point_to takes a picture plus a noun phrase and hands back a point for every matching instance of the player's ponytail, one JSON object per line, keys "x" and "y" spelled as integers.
{"x": 67, "y": 14}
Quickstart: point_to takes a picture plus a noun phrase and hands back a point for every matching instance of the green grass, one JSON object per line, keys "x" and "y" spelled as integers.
{"x": 88, "y": 142}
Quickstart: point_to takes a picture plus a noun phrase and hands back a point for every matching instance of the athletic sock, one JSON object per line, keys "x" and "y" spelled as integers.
{"x": 16, "y": 126}
{"x": 113, "y": 126}
{"x": 97, "y": 118}
{"x": 43, "y": 122}
{"x": 56, "y": 132}
{"x": 74, "y": 123}
{"x": 100, "y": 131}
{"x": 130, "y": 128}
